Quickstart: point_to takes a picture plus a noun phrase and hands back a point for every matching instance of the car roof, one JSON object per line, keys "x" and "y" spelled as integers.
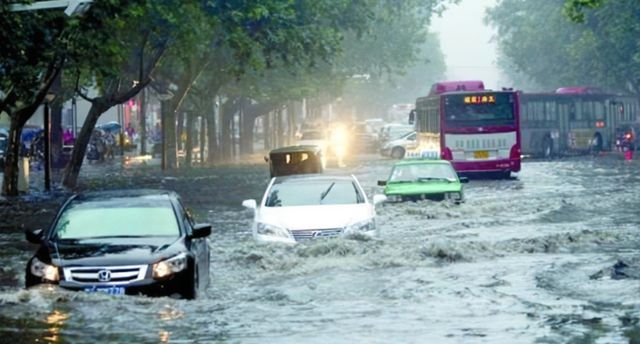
{"x": 126, "y": 193}
{"x": 422, "y": 162}
{"x": 295, "y": 149}
{"x": 312, "y": 177}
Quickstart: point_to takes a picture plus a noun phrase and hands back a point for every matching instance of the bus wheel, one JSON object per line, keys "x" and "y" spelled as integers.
{"x": 397, "y": 153}
{"x": 547, "y": 147}
{"x": 596, "y": 144}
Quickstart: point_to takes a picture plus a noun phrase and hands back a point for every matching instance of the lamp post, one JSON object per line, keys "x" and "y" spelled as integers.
{"x": 47, "y": 141}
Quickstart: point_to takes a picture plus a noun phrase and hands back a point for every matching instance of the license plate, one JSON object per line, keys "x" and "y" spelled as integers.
{"x": 106, "y": 290}
{"x": 481, "y": 154}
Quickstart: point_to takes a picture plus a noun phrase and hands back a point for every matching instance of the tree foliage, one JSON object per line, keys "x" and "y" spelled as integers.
{"x": 602, "y": 51}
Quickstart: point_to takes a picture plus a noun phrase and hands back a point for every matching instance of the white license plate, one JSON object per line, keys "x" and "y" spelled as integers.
{"x": 106, "y": 290}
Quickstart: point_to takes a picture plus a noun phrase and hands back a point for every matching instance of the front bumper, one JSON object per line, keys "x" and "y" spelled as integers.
{"x": 148, "y": 286}
{"x": 502, "y": 165}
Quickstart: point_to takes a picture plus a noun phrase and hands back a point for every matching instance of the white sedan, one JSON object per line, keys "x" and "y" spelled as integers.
{"x": 301, "y": 207}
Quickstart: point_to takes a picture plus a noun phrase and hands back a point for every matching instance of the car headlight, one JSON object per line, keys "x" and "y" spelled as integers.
{"x": 362, "y": 226}
{"x": 45, "y": 271}
{"x": 271, "y": 230}
{"x": 453, "y": 196}
{"x": 170, "y": 266}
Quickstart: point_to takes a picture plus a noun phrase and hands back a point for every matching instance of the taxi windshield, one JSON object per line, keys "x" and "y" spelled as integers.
{"x": 422, "y": 172}
{"x": 113, "y": 218}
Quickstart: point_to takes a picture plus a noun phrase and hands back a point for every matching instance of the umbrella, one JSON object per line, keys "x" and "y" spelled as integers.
{"x": 110, "y": 127}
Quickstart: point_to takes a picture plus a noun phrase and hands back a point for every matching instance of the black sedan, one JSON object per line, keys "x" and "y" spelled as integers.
{"x": 123, "y": 242}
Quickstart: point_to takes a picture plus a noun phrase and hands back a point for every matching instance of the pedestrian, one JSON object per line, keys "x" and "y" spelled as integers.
{"x": 67, "y": 137}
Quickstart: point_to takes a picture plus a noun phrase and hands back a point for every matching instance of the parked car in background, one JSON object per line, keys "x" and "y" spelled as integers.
{"x": 393, "y": 131}
{"x": 122, "y": 242}
{"x": 363, "y": 138}
{"x": 397, "y": 148}
{"x": 418, "y": 179}
{"x": 303, "y": 207}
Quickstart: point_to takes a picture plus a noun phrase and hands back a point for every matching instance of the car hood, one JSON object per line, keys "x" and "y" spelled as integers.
{"x": 114, "y": 251}
{"x": 420, "y": 188}
{"x": 315, "y": 217}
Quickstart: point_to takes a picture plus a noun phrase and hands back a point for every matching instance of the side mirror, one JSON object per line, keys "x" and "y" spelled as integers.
{"x": 377, "y": 199}
{"x": 34, "y": 236}
{"x": 266, "y": 158}
{"x": 201, "y": 230}
{"x": 250, "y": 204}
{"x": 382, "y": 183}
{"x": 463, "y": 179}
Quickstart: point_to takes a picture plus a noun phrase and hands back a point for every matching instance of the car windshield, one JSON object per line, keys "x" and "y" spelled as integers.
{"x": 313, "y": 192}
{"x": 422, "y": 172}
{"x": 396, "y": 132}
{"x": 117, "y": 218}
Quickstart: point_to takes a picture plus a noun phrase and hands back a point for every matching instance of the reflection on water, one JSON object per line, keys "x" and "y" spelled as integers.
{"x": 55, "y": 321}
{"x": 164, "y": 336}
{"x": 170, "y": 313}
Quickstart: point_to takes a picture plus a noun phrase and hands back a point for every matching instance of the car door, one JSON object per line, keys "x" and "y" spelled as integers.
{"x": 199, "y": 247}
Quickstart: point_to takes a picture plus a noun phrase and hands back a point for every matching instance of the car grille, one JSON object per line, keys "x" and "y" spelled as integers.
{"x": 105, "y": 275}
{"x": 316, "y": 233}
{"x": 431, "y": 197}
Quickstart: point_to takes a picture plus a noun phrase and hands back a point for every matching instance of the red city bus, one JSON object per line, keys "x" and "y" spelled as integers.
{"x": 478, "y": 130}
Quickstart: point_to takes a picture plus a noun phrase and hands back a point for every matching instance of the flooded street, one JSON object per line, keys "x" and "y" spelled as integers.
{"x": 550, "y": 256}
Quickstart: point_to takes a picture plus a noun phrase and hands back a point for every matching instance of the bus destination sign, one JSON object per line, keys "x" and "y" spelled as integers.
{"x": 485, "y": 99}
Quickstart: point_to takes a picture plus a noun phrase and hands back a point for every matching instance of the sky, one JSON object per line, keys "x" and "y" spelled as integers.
{"x": 467, "y": 43}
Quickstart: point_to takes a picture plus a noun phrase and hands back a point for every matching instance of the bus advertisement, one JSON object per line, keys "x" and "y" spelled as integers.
{"x": 574, "y": 120}
{"x": 474, "y": 128}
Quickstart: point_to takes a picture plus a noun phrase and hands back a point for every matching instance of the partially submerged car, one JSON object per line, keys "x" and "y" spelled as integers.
{"x": 299, "y": 208}
{"x": 290, "y": 160}
{"x": 419, "y": 179}
{"x": 122, "y": 242}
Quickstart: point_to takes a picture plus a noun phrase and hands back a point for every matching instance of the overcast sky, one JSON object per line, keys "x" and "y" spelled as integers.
{"x": 466, "y": 43}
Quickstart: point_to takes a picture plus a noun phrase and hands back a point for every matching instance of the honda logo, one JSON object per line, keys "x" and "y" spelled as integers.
{"x": 104, "y": 275}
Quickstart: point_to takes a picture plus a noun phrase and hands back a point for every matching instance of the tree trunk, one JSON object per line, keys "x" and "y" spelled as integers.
{"x": 279, "y": 130}
{"x": 71, "y": 172}
{"x": 189, "y": 140}
{"x": 212, "y": 136}
{"x": 246, "y": 140}
{"x": 56, "y": 134}
{"x": 203, "y": 139}
{"x": 169, "y": 136}
{"x": 143, "y": 122}
{"x": 11, "y": 172}
{"x": 266, "y": 130}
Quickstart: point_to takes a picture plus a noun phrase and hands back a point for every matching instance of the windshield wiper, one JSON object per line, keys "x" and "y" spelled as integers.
{"x": 326, "y": 192}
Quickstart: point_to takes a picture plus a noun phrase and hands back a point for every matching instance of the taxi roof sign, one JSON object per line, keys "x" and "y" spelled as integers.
{"x": 426, "y": 154}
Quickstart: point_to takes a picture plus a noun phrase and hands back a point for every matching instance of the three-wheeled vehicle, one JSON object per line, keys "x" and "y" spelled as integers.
{"x": 289, "y": 160}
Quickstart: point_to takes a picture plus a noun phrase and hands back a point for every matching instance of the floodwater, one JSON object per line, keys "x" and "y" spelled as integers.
{"x": 548, "y": 257}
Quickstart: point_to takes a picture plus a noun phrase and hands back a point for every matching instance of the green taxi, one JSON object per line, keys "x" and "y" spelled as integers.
{"x": 413, "y": 180}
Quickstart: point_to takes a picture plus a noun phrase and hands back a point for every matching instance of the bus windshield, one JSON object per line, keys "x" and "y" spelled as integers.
{"x": 472, "y": 110}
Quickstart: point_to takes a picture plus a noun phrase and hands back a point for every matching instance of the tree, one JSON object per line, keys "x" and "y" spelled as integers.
{"x": 41, "y": 43}
{"x": 601, "y": 51}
